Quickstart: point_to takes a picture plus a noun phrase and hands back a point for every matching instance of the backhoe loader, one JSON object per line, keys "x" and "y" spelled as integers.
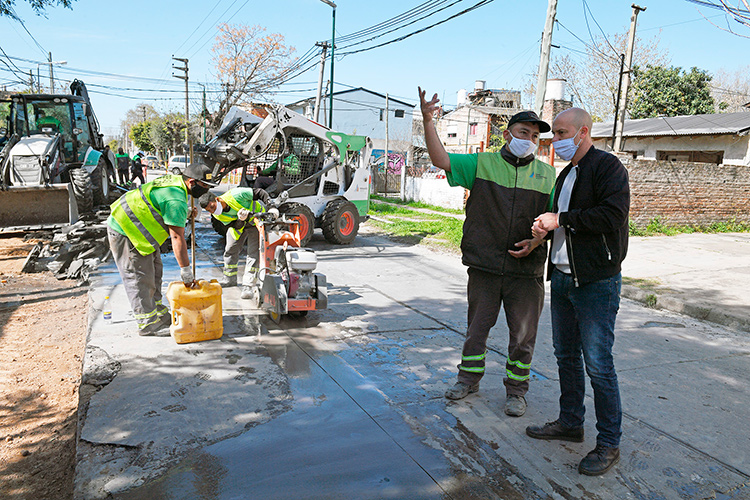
{"x": 52, "y": 163}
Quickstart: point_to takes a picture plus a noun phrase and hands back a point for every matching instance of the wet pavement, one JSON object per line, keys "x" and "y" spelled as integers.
{"x": 347, "y": 402}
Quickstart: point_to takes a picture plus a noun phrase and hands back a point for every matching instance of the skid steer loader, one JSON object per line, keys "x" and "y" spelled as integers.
{"x": 52, "y": 162}
{"x": 325, "y": 173}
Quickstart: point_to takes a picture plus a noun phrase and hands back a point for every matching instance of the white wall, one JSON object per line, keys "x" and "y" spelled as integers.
{"x": 736, "y": 149}
{"x": 435, "y": 192}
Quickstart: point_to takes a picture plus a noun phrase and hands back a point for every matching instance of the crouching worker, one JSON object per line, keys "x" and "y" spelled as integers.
{"x": 233, "y": 209}
{"x": 140, "y": 222}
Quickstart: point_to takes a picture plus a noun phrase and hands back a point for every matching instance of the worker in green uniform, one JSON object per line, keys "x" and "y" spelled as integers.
{"x": 123, "y": 165}
{"x": 140, "y": 222}
{"x": 233, "y": 209}
{"x": 267, "y": 176}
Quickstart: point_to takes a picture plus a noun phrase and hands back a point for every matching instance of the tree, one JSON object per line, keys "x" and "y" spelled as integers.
{"x": 39, "y": 6}
{"x": 731, "y": 91}
{"x": 248, "y": 63}
{"x": 593, "y": 78}
{"x": 140, "y": 134}
{"x": 670, "y": 91}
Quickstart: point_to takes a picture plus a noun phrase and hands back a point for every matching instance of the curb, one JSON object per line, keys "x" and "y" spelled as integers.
{"x": 676, "y": 304}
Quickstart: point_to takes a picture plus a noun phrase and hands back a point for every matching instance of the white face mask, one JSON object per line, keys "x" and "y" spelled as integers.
{"x": 521, "y": 147}
{"x": 218, "y": 209}
{"x": 566, "y": 148}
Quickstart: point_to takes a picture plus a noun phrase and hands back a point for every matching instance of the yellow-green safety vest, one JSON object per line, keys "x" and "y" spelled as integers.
{"x": 139, "y": 219}
{"x": 230, "y": 200}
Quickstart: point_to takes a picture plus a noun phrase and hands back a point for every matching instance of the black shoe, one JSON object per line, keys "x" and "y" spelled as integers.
{"x": 555, "y": 430}
{"x": 599, "y": 460}
{"x": 461, "y": 390}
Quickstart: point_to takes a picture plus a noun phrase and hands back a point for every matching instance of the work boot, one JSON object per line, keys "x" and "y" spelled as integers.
{"x": 226, "y": 281}
{"x": 152, "y": 330}
{"x": 555, "y": 430}
{"x": 247, "y": 292}
{"x": 515, "y": 406}
{"x": 599, "y": 460}
{"x": 461, "y": 390}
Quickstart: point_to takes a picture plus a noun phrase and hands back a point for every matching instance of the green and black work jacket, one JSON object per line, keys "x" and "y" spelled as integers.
{"x": 507, "y": 194}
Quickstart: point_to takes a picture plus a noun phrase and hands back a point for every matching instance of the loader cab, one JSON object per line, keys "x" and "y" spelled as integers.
{"x": 49, "y": 115}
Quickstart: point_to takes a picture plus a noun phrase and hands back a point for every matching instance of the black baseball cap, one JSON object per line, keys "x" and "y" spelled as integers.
{"x": 529, "y": 116}
{"x": 200, "y": 172}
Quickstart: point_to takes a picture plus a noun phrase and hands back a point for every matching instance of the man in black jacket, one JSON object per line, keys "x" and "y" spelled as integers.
{"x": 589, "y": 226}
{"x": 505, "y": 264}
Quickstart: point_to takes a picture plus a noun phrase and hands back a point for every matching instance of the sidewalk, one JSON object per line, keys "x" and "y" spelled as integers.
{"x": 704, "y": 276}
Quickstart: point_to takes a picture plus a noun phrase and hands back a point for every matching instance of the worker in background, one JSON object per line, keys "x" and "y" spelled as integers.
{"x": 233, "y": 209}
{"x": 267, "y": 176}
{"x": 140, "y": 222}
{"x": 137, "y": 169}
{"x": 505, "y": 260}
{"x": 123, "y": 165}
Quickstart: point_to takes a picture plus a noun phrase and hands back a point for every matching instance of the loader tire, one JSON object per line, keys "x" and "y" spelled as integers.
{"x": 100, "y": 182}
{"x": 340, "y": 222}
{"x": 82, "y": 189}
{"x": 304, "y": 216}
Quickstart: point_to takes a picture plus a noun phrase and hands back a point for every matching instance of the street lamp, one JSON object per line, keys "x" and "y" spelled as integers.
{"x": 333, "y": 45}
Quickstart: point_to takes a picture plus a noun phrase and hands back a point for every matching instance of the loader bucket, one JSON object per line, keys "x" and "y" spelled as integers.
{"x": 26, "y": 208}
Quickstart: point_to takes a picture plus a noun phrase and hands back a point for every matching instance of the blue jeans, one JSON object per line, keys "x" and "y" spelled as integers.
{"x": 583, "y": 323}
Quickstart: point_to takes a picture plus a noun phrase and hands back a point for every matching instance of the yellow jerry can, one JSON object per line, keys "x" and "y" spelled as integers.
{"x": 196, "y": 312}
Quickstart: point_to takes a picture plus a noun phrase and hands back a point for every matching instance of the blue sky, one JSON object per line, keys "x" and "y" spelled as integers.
{"x": 498, "y": 42}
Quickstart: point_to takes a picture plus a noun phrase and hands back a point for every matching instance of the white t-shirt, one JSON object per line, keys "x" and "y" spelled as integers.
{"x": 559, "y": 248}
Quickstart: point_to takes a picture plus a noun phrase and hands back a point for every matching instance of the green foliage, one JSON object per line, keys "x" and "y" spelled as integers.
{"x": 651, "y": 300}
{"x": 39, "y": 6}
{"x": 496, "y": 143}
{"x": 113, "y": 145}
{"x": 656, "y": 227}
{"x": 412, "y": 226}
{"x": 670, "y": 91}
{"x": 140, "y": 134}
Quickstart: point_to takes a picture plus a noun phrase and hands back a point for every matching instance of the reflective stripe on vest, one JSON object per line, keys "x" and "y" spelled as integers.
{"x": 235, "y": 205}
{"x": 139, "y": 219}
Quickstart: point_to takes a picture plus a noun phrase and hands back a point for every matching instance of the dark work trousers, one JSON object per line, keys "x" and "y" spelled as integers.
{"x": 522, "y": 300}
{"x": 141, "y": 276}
{"x": 137, "y": 174}
{"x": 122, "y": 176}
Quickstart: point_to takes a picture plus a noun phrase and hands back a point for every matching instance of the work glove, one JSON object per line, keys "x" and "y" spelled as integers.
{"x": 243, "y": 214}
{"x": 273, "y": 213}
{"x": 186, "y": 275}
{"x": 262, "y": 195}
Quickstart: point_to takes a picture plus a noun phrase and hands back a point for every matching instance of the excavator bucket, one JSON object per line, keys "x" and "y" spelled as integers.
{"x": 27, "y": 208}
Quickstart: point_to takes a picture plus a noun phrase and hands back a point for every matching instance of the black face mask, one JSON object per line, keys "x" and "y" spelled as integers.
{"x": 197, "y": 190}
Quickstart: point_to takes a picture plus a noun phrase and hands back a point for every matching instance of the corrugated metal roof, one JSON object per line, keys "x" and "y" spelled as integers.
{"x": 716, "y": 124}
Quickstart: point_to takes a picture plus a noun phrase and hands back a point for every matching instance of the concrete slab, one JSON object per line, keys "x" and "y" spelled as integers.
{"x": 347, "y": 402}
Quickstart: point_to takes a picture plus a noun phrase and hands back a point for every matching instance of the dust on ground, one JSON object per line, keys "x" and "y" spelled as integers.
{"x": 43, "y": 324}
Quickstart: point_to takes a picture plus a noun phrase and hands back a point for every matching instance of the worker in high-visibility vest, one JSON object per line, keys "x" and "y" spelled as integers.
{"x": 233, "y": 209}
{"x": 140, "y": 222}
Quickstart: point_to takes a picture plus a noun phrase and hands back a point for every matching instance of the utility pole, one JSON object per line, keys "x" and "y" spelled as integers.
{"x": 31, "y": 82}
{"x": 541, "y": 81}
{"x": 625, "y": 78}
{"x": 385, "y": 153}
{"x": 617, "y": 104}
{"x": 187, "y": 103}
{"x": 204, "y": 113}
{"x": 51, "y": 78}
{"x": 320, "y": 78}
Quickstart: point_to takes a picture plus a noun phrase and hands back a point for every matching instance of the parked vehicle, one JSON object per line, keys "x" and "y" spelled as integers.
{"x": 152, "y": 161}
{"x": 52, "y": 166}
{"x": 177, "y": 164}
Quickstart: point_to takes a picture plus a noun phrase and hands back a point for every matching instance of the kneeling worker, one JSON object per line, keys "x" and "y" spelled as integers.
{"x": 233, "y": 209}
{"x": 140, "y": 222}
